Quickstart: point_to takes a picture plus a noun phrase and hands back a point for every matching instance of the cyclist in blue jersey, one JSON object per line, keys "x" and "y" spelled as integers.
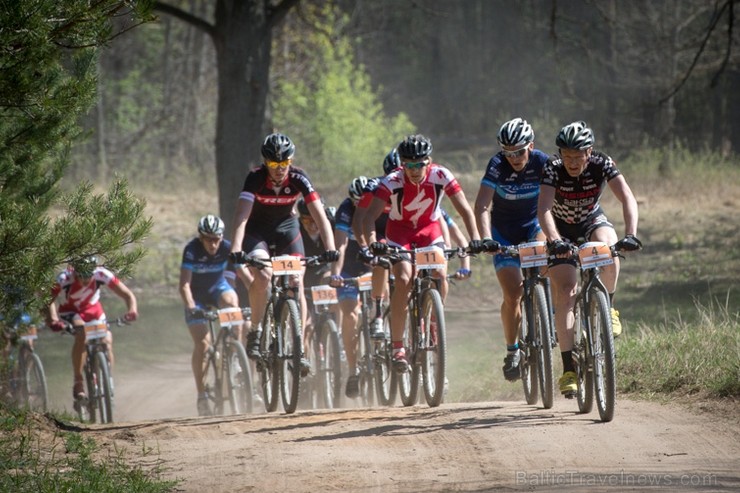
{"x": 206, "y": 280}
{"x": 506, "y": 213}
{"x": 569, "y": 210}
{"x": 349, "y": 265}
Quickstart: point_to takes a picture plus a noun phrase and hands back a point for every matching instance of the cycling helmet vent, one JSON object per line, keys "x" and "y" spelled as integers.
{"x": 515, "y": 133}
{"x": 211, "y": 225}
{"x": 302, "y": 208}
{"x": 277, "y": 147}
{"x": 576, "y": 135}
{"x": 415, "y": 147}
{"x": 85, "y": 266}
{"x": 356, "y": 187}
{"x": 391, "y": 162}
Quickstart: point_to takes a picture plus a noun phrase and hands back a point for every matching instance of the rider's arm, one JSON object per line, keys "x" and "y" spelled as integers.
{"x": 243, "y": 211}
{"x": 316, "y": 208}
{"x": 368, "y": 222}
{"x": 544, "y": 212}
{"x": 483, "y": 202}
{"x": 458, "y": 239}
{"x": 466, "y": 213}
{"x": 340, "y": 240}
{"x": 623, "y": 192}
{"x": 126, "y": 295}
{"x": 186, "y": 277}
{"x": 357, "y": 229}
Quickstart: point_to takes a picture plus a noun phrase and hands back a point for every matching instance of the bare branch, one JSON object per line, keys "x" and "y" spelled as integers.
{"x": 279, "y": 11}
{"x": 731, "y": 15}
{"x": 187, "y": 17}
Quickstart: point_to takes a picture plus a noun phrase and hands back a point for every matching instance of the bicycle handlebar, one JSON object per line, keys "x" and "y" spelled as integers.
{"x": 262, "y": 263}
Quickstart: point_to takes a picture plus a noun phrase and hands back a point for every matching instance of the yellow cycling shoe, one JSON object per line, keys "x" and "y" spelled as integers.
{"x": 568, "y": 383}
{"x": 616, "y": 324}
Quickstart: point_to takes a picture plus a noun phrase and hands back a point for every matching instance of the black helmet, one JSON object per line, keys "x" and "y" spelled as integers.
{"x": 391, "y": 162}
{"x": 516, "y": 132}
{"x": 211, "y": 225}
{"x": 277, "y": 147}
{"x": 576, "y": 135}
{"x": 302, "y": 208}
{"x": 85, "y": 266}
{"x": 414, "y": 147}
{"x": 356, "y": 186}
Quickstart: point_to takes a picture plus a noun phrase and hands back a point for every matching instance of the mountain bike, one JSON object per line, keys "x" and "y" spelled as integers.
{"x": 324, "y": 382}
{"x": 537, "y": 329}
{"x": 281, "y": 340}
{"x": 593, "y": 349}
{"x": 424, "y": 338}
{"x": 226, "y": 371}
{"x": 24, "y": 380}
{"x": 377, "y": 378}
{"x": 97, "y": 406}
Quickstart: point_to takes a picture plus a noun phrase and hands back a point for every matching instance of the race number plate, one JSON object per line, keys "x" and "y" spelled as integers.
{"x": 324, "y": 295}
{"x": 365, "y": 282}
{"x": 430, "y": 257}
{"x": 286, "y": 265}
{"x": 95, "y": 329}
{"x": 30, "y": 333}
{"x": 533, "y": 254}
{"x": 228, "y": 317}
{"x": 594, "y": 254}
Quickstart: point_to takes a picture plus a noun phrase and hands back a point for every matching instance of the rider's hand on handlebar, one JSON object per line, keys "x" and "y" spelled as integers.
{"x": 330, "y": 256}
{"x": 196, "y": 313}
{"x": 558, "y": 247}
{"x": 336, "y": 281}
{"x": 378, "y": 248}
{"x": 629, "y": 243}
{"x": 57, "y": 326}
{"x": 463, "y": 273}
{"x": 238, "y": 258}
{"x": 130, "y": 317}
{"x": 490, "y": 245}
{"x": 365, "y": 255}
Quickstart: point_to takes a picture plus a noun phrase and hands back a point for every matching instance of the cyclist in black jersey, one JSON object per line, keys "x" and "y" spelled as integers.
{"x": 569, "y": 211}
{"x": 265, "y": 223}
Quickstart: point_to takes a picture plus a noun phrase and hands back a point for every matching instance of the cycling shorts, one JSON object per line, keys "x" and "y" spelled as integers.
{"x": 284, "y": 239}
{"x": 579, "y": 233}
{"x": 206, "y": 298}
{"x": 528, "y": 233}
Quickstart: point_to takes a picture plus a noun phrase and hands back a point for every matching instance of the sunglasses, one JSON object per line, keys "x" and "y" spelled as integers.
{"x": 417, "y": 165}
{"x": 278, "y": 164}
{"x": 516, "y": 153}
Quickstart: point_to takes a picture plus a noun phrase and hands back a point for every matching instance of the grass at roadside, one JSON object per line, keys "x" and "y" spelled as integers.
{"x": 36, "y": 457}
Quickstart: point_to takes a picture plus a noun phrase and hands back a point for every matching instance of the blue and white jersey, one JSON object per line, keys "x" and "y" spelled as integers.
{"x": 207, "y": 270}
{"x": 515, "y": 193}
{"x": 345, "y": 212}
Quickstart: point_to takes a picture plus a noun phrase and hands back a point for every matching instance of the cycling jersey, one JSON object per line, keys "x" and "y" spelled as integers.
{"x": 210, "y": 274}
{"x": 82, "y": 299}
{"x": 351, "y": 266}
{"x": 514, "y": 210}
{"x": 577, "y": 198}
{"x": 312, "y": 247}
{"x": 415, "y": 208}
{"x": 367, "y": 196}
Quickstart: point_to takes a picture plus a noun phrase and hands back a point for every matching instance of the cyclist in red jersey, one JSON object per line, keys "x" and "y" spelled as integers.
{"x": 265, "y": 224}
{"x": 80, "y": 286}
{"x": 414, "y": 193}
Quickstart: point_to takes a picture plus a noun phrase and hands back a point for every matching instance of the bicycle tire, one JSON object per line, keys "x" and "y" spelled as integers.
{"x": 386, "y": 381}
{"x": 434, "y": 352}
{"x": 269, "y": 366}
{"x": 529, "y": 364}
{"x": 365, "y": 364}
{"x": 104, "y": 394}
{"x": 605, "y": 387}
{"x": 239, "y": 378}
{"x": 408, "y": 382}
{"x": 291, "y": 349}
{"x": 86, "y": 410}
{"x": 585, "y": 376}
{"x": 34, "y": 391}
{"x": 330, "y": 364}
{"x": 211, "y": 385}
{"x": 543, "y": 346}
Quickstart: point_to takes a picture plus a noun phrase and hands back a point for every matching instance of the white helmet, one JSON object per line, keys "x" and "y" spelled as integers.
{"x": 211, "y": 225}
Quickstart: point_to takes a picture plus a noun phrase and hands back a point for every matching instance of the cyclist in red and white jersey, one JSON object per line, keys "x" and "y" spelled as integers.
{"x": 414, "y": 193}
{"x": 265, "y": 223}
{"x": 79, "y": 286}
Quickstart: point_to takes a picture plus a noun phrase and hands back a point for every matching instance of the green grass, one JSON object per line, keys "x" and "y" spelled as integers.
{"x": 66, "y": 462}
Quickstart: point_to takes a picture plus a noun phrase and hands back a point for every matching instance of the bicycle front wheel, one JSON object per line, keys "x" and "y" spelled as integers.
{"x": 290, "y": 357}
{"x": 329, "y": 364}
{"x": 269, "y": 366}
{"x": 529, "y": 364}
{"x": 543, "y": 345}
{"x": 239, "y": 377}
{"x": 584, "y": 371}
{"x": 104, "y": 394}
{"x": 605, "y": 378}
{"x": 386, "y": 381}
{"x": 434, "y": 347}
{"x": 408, "y": 382}
{"x": 34, "y": 391}
{"x": 211, "y": 383}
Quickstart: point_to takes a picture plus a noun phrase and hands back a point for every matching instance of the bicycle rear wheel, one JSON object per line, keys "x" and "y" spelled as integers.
{"x": 408, "y": 382}
{"x": 211, "y": 384}
{"x": 585, "y": 393}
{"x": 239, "y": 377}
{"x": 290, "y": 357}
{"x": 386, "y": 381}
{"x": 365, "y": 365}
{"x": 34, "y": 391}
{"x": 543, "y": 346}
{"x": 329, "y": 364}
{"x": 434, "y": 350}
{"x": 529, "y": 363}
{"x": 603, "y": 351}
{"x": 104, "y": 395}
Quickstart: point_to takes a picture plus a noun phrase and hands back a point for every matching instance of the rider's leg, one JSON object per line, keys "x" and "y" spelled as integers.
{"x": 109, "y": 344}
{"x": 349, "y": 308}
{"x": 258, "y": 293}
{"x": 510, "y": 279}
{"x": 201, "y": 339}
{"x": 609, "y": 273}
{"x": 229, "y": 299}
{"x": 399, "y": 300}
{"x": 564, "y": 285}
{"x": 78, "y": 360}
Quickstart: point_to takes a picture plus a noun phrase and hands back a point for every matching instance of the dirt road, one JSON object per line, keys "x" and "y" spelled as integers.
{"x": 482, "y": 446}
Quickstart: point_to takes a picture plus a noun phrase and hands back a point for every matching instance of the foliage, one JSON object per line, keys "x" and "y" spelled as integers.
{"x": 326, "y": 103}
{"x": 47, "y": 80}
